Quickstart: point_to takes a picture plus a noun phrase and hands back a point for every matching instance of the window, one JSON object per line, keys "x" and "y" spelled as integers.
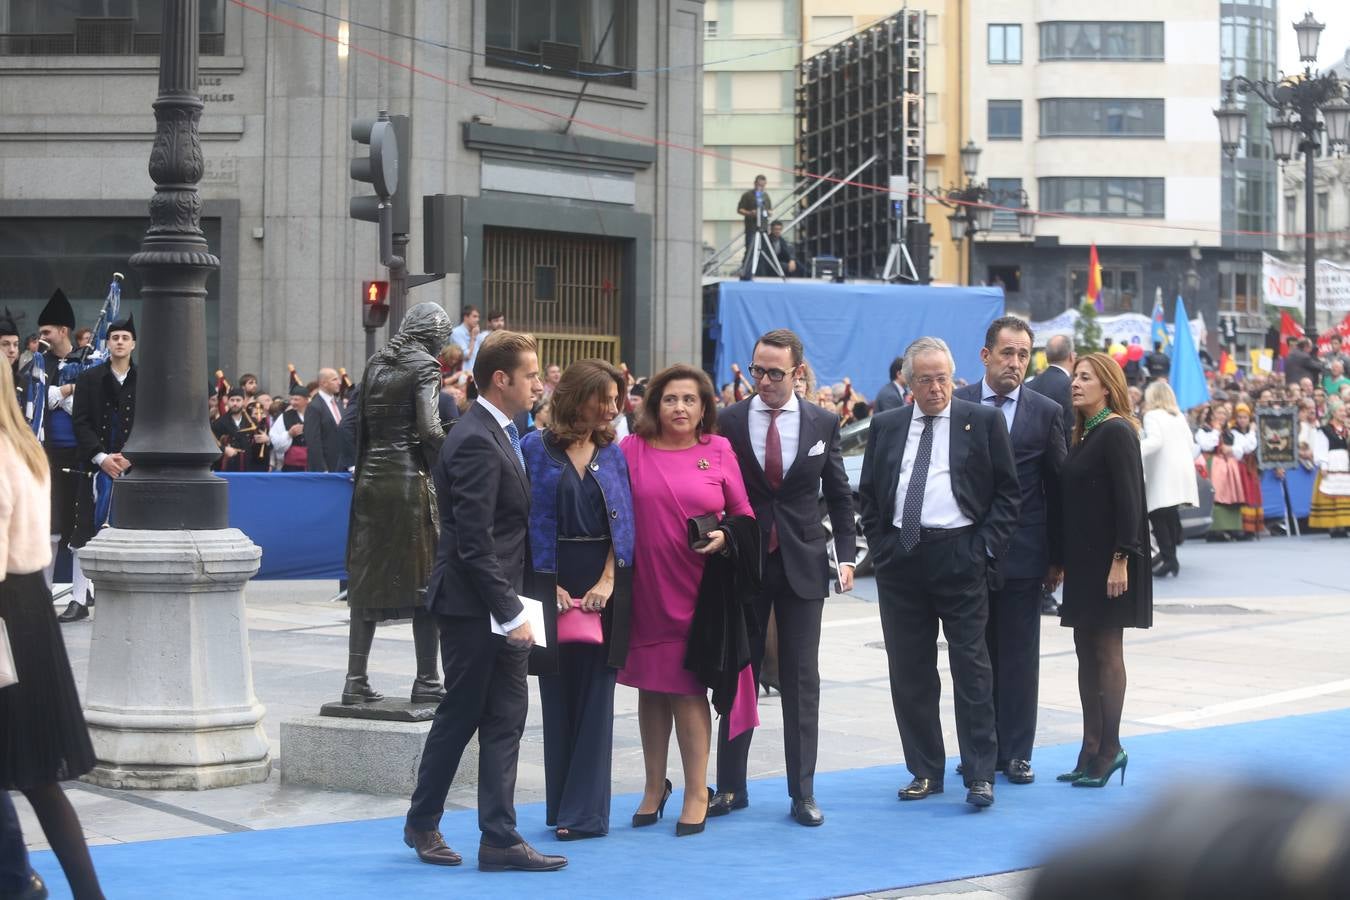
{"x": 1007, "y": 192}
{"x": 1140, "y": 41}
{"x": 1101, "y": 118}
{"x": 1323, "y": 210}
{"x": 97, "y": 27}
{"x": 931, "y": 34}
{"x": 1005, "y": 120}
{"x": 1007, "y": 277}
{"x": 1120, "y": 288}
{"x": 931, "y": 108}
{"x": 563, "y": 38}
{"x": 1113, "y": 197}
{"x": 1005, "y": 45}
{"x": 710, "y": 28}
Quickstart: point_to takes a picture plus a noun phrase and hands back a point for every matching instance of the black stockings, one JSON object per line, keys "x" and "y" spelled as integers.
{"x": 1101, "y": 690}
{"x": 62, "y": 827}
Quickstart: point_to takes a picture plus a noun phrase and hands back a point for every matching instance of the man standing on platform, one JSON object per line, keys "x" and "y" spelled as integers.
{"x": 1013, "y": 633}
{"x": 483, "y": 499}
{"x": 789, "y": 454}
{"x": 322, "y": 418}
{"x": 939, "y": 498}
{"x": 105, "y": 410}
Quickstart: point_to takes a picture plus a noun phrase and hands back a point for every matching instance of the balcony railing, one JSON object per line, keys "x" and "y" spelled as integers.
{"x": 98, "y": 37}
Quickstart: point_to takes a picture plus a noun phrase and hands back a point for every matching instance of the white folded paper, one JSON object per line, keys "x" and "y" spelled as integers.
{"x": 534, "y": 614}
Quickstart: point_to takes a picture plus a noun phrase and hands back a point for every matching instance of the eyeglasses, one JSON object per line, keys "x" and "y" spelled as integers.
{"x": 775, "y": 375}
{"x": 926, "y": 380}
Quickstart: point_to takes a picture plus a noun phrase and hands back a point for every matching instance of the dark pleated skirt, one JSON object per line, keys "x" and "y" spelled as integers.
{"x": 43, "y": 736}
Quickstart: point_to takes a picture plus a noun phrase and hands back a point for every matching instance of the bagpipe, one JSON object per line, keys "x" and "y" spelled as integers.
{"x": 79, "y": 361}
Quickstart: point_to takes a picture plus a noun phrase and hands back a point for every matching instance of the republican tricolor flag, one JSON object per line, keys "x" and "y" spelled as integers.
{"x": 1094, "y": 278}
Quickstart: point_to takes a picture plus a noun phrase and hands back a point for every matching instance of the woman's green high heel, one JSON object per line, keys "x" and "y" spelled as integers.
{"x": 1120, "y": 762}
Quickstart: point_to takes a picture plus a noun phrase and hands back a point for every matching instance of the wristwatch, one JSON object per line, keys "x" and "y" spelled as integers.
{"x": 1119, "y": 556}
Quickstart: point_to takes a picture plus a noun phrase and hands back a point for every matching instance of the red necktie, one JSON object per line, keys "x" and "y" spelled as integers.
{"x": 773, "y": 466}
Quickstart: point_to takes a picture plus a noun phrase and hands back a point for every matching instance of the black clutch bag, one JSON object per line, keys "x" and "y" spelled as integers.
{"x": 698, "y": 527}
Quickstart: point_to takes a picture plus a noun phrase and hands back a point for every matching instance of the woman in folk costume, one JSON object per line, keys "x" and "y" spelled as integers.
{"x": 1331, "y": 487}
{"x": 1223, "y": 459}
{"x": 1245, "y": 437}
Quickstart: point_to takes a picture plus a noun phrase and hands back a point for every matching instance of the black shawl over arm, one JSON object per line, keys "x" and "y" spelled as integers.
{"x": 719, "y": 635}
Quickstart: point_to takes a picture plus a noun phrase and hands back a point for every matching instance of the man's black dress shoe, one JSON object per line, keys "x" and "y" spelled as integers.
{"x": 724, "y": 802}
{"x": 430, "y": 847}
{"x": 520, "y": 858}
{"x": 806, "y": 812}
{"x": 981, "y": 794}
{"x": 74, "y": 612}
{"x": 1019, "y": 772}
{"x": 920, "y": 788}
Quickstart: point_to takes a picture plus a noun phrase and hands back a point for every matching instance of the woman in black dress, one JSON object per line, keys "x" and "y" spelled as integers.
{"x": 43, "y": 737}
{"x": 581, "y": 547}
{"x": 1107, "y": 581}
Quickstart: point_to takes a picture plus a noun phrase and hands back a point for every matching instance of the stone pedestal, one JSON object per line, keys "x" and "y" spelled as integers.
{"x": 170, "y": 701}
{"x": 371, "y": 756}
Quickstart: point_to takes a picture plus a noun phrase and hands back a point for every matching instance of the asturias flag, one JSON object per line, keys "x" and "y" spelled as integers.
{"x": 1289, "y": 331}
{"x": 1094, "y": 279}
{"x": 1188, "y": 375}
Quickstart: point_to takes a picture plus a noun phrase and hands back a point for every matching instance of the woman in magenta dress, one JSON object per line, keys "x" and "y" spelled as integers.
{"x": 679, "y": 469}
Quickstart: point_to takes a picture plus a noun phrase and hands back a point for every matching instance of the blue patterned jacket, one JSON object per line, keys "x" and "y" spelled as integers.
{"x": 544, "y": 461}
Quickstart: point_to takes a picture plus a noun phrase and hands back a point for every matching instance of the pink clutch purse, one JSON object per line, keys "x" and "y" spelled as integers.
{"x": 579, "y": 626}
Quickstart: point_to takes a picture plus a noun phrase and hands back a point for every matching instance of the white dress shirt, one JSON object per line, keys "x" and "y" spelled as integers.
{"x": 1009, "y": 409}
{"x": 939, "y": 502}
{"x": 789, "y": 429}
{"x": 502, "y": 421}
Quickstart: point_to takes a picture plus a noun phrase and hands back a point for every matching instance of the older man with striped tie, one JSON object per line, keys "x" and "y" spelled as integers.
{"x": 938, "y": 500}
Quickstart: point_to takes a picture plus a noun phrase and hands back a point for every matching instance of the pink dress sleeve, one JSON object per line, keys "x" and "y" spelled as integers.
{"x": 733, "y": 486}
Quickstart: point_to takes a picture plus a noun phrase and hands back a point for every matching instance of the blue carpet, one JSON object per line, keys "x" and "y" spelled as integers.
{"x": 870, "y": 842}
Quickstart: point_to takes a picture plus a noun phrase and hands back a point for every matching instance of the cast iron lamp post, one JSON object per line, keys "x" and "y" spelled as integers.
{"x": 1304, "y": 105}
{"x": 974, "y": 210}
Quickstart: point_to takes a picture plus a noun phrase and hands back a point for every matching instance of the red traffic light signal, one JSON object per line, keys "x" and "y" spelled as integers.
{"x": 374, "y": 303}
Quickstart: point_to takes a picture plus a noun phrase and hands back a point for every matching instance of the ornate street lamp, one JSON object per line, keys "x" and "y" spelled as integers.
{"x": 970, "y": 159}
{"x": 1026, "y": 223}
{"x": 1309, "y": 32}
{"x": 1305, "y": 105}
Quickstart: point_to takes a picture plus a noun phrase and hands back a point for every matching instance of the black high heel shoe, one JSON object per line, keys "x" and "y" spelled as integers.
{"x": 642, "y": 820}
{"x": 1120, "y": 762}
{"x": 684, "y": 829}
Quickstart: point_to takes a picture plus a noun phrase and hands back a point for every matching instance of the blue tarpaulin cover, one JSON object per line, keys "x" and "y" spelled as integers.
{"x": 854, "y": 330}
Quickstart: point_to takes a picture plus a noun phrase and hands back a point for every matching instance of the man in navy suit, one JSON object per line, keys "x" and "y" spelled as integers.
{"x": 938, "y": 501}
{"x": 1054, "y": 381}
{"x": 483, "y": 496}
{"x": 1013, "y": 632}
{"x": 789, "y": 455}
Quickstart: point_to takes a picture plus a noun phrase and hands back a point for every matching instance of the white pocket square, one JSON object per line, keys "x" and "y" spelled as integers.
{"x": 816, "y": 449}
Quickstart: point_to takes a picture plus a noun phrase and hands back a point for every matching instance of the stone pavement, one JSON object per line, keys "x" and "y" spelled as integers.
{"x": 1249, "y": 631}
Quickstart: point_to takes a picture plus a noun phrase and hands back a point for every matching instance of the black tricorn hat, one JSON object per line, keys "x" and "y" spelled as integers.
{"x": 127, "y": 324}
{"x": 58, "y": 311}
{"x": 7, "y": 326}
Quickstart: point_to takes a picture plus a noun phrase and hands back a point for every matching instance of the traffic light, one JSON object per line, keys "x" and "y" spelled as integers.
{"x": 380, "y": 169}
{"x": 374, "y": 303}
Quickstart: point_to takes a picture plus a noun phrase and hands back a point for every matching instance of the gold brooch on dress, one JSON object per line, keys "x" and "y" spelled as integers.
{"x": 703, "y": 463}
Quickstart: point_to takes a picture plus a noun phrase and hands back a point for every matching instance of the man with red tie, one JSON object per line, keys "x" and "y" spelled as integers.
{"x": 789, "y": 454}
{"x": 322, "y": 440}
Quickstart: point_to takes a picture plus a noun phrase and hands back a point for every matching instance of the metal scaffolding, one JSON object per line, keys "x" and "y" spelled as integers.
{"x": 861, "y": 98}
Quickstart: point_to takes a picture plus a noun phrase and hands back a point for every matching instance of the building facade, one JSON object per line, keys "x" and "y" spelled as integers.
{"x": 751, "y": 49}
{"x": 569, "y": 129}
{"x": 1104, "y": 121}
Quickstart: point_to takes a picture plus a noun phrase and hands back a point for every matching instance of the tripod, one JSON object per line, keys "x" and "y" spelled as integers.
{"x": 756, "y": 250}
{"x": 893, "y": 271}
